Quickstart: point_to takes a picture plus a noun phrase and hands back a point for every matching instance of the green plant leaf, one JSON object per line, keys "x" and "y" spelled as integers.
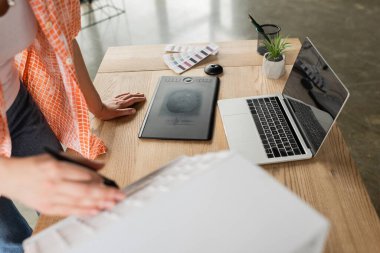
{"x": 276, "y": 47}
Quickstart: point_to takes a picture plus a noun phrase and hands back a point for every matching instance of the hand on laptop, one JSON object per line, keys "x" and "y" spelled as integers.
{"x": 55, "y": 188}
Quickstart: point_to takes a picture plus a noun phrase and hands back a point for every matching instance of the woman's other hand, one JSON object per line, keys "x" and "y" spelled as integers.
{"x": 119, "y": 106}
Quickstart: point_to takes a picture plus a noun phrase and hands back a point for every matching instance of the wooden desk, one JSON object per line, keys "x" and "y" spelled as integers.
{"x": 330, "y": 182}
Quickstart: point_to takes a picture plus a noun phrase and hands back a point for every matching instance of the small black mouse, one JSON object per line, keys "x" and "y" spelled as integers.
{"x": 213, "y": 69}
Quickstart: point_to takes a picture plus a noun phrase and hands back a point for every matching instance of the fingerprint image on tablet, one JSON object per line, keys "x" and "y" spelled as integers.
{"x": 184, "y": 102}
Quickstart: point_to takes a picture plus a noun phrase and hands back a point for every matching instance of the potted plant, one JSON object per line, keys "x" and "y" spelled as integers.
{"x": 274, "y": 59}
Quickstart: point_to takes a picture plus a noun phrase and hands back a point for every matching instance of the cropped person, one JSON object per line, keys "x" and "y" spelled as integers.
{"x": 45, "y": 95}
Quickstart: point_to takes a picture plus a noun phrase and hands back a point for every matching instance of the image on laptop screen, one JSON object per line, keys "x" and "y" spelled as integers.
{"x": 314, "y": 94}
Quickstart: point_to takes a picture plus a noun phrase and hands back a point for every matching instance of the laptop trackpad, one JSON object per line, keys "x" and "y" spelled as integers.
{"x": 240, "y": 127}
{"x": 243, "y": 137}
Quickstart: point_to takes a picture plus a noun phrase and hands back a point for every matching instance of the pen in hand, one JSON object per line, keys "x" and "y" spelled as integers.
{"x": 62, "y": 157}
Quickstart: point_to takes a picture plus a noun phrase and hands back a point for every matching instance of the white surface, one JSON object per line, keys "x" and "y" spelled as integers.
{"x": 217, "y": 202}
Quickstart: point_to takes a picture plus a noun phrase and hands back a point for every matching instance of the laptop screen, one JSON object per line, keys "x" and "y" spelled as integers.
{"x": 314, "y": 95}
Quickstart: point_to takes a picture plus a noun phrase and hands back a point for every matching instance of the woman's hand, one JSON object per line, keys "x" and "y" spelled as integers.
{"x": 55, "y": 188}
{"x": 119, "y": 106}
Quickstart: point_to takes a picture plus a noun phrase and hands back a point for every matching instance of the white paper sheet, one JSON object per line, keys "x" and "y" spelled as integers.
{"x": 217, "y": 202}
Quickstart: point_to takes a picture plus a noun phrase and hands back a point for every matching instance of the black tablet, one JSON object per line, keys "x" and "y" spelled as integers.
{"x": 182, "y": 108}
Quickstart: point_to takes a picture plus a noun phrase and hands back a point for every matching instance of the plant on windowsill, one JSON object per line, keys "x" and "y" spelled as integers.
{"x": 274, "y": 59}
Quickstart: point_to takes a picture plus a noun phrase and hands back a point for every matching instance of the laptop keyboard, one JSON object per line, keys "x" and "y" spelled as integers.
{"x": 313, "y": 130}
{"x": 276, "y": 134}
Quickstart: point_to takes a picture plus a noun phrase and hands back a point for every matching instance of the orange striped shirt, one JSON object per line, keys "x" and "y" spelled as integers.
{"x": 47, "y": 70}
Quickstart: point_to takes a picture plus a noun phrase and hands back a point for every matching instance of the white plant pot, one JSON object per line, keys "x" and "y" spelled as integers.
{"x": 273, "y": 70}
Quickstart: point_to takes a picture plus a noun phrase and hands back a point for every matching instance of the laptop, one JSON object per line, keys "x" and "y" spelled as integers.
{"x": 292, "y": 125}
